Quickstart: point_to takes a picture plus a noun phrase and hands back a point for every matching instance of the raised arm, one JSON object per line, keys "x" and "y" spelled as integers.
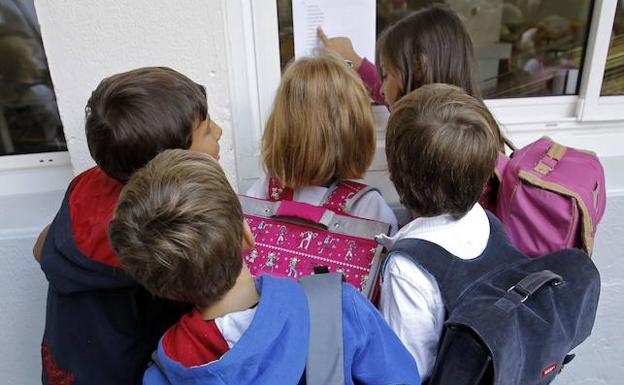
{"x": 342, "y": 46}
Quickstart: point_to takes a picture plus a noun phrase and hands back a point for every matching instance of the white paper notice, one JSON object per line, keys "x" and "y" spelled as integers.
{"x": 354, "y": 19}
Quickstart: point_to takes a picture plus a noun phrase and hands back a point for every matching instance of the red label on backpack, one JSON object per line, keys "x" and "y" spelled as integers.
{"x": 549, "y": 369}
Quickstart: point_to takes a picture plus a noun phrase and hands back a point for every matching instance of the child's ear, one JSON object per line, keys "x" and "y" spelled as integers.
{"x": 248, "y": 241}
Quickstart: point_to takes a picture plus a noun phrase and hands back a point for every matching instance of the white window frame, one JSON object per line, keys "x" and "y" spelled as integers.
{"x": 592, "y": 105}
{"x": 572, "y": 119}
{"x": 254, "y": 77}
{"x": 34, "y": 173}
{"x": 34, "y": 160}
{"x": 27, "y": 173}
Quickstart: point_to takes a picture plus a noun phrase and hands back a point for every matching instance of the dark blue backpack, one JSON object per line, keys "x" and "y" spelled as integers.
{"x": 510, "y": 320}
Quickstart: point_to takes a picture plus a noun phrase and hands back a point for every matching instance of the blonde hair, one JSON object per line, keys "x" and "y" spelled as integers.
{"x": 321, "y": 126}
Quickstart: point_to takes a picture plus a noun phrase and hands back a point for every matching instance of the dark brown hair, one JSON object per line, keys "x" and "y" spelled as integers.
{"x": 429, "y": 46}
{"x": 178, "y": 228}
{"x": 132, "y": 116}
{"x": 441, "y": 150}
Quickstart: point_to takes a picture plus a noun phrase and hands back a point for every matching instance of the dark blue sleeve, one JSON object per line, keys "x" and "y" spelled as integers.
{"x": 378, "y": 355}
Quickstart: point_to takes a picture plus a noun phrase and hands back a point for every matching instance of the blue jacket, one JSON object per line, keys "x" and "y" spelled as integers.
{"x": 101, "y": 326}
{"x": 273, "y": 349}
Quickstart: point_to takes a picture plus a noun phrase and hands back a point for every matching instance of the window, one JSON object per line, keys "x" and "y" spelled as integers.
{"x": 559, "y": 93}
{"x": 613, "y": 82}
{"x": 525, "y": 48}
{"x": 29, "y": 118}
{"x": 602, "y": 88}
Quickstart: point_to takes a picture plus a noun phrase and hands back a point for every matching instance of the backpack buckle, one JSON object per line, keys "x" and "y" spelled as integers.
{"x": 543, "y": 168}
{"x": 519, "y": 291}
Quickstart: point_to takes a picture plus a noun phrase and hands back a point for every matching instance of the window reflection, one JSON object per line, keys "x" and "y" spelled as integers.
{"x": 525, "y": 47}
{"x": 29, "y": 119}
{"x": 613, "y": 83}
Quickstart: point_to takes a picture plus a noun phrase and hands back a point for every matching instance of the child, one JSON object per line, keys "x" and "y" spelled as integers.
{"x": 101, "y": 326}
{"x": 431, "y": 45}
{"x": 180, "y": 231}
{"x": 321, "y": 131}
{"x": 440, "y": 150}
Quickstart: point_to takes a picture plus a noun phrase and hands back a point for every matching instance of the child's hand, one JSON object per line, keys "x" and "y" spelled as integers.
{"x": 342, "y": 46}
{"x": 38, "y": 247}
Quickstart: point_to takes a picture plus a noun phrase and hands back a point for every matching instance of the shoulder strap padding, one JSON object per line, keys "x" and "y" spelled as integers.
{"x": 325, "y": 363}
{"x": 342, "y": 196}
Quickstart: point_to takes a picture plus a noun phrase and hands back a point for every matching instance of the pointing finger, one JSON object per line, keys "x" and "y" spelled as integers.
{"x": 321, "y": 34}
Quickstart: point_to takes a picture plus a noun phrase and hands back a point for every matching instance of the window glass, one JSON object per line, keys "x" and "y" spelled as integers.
{"x": 613, "y": 83}
{"x": 29, "y": 118}
{"x": 524, "y": 47}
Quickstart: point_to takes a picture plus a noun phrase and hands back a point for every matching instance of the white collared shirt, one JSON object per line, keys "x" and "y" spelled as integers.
{"x": 411, "y": 301}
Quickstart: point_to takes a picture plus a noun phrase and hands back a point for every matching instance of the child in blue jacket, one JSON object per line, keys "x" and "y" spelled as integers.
{"x": 180, "y": 231}
{"x": 101, "y": 325}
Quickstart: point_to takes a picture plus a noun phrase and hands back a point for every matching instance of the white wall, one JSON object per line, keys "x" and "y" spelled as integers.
{"x": 23, "y": 286}
{"x": 88, "y": 40}
{"x": 600, "y": 360}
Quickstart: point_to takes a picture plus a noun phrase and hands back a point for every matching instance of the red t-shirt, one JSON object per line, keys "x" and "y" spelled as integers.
{"x": 92, "y": 201}
{"x": 193, "y": 341}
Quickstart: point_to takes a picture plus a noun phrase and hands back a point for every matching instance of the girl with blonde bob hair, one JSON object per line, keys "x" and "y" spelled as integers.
{"x": 321, "y": 130}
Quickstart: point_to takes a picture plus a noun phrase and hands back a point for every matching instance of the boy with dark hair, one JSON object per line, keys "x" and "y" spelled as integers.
{"x": 441, "y": 148}
{"x": 101, "y": 325}
{"x": 179, "y": 230}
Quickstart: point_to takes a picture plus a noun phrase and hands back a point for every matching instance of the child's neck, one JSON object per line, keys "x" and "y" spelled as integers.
{"x": 242, "y": 296}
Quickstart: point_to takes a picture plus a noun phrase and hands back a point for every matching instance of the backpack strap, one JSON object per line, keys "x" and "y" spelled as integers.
{"x": 531, "y": 284}
{"x": 342, "y": 196}
{"x": 509, "y": 143}
{"x": 339, "y": 198}
{"x": 325, "y": 363}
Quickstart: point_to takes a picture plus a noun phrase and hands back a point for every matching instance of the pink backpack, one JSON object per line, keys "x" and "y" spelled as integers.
{"x": 293, "y": 238}
{"x": 549, "y": 197}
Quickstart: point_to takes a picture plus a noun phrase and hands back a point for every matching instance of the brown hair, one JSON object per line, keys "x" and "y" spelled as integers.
{"x": 321, "y": 126}
{"x": 178, "y": 228}
{"x": 132, "y": 116}
{"x": 441, "y": 150}
{"x": 429, "y": 46}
